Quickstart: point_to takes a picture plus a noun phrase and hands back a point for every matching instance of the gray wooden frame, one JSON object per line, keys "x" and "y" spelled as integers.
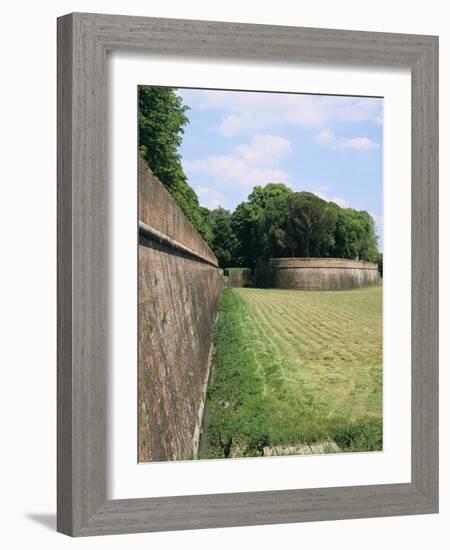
{"x": 83, "y": 40}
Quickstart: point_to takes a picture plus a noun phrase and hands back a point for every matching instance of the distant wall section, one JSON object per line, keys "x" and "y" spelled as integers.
{"x": 179, "y": 286}
{"x": 315, "y": 273}
{"x": 238, "y": 277}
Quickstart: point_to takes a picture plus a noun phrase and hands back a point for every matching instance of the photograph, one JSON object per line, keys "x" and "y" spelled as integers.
{"x": 221, "y": 257}
{"x": 260, "y": 262}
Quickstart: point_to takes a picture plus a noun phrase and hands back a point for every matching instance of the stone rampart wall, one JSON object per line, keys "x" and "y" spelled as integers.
{"x": 315, "y": 273}
{"x": 179, "y": 286}
{"x": 238, "y": 277}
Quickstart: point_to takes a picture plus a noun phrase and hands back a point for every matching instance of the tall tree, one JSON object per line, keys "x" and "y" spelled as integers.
{"x": 355, "y": 235}
{"x": 259, "y": 223}
{"x": 368, "y": 249}
{"x": 311, "y": 224}
{"x": 162, "y": 117}
{"x": 245, "y": 222}
{"x": 224, "y": 240}
{"x": 276, "y": 221}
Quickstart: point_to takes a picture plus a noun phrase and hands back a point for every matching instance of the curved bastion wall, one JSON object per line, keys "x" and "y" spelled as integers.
{"x": 315, "y": 273}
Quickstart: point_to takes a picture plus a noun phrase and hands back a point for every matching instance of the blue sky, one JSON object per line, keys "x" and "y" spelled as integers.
{"x": 329, "y": 145}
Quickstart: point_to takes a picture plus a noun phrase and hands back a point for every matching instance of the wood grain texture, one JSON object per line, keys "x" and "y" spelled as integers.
{"x": 424, "y": 274}
{"x": 83, "y": 40}
{"x": 64, "y": 267}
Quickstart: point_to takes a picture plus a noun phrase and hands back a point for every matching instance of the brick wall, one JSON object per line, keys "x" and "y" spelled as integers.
{"x": 238, "y": 277}
{"x": 316, "y": 273}
{"x": 179, "y": 286}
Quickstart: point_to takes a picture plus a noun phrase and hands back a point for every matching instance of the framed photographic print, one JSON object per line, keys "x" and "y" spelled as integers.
{"x": 247, "y": 274}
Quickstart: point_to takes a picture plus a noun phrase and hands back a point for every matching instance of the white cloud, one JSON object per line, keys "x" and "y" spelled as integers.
{"x": 249, "y": 164}
{"x": 211, "y": 198}
{"x": 264, "y": 149}
{"x": 327, "y": 138}
{"x": 235, "y": 170}
{"x": 233, "y": 124}
{"x": 358, "y": 143}
{"x": 244, "y": 112}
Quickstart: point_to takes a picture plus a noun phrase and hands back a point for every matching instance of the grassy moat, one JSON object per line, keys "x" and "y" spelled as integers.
{"x": 295, "y": 368}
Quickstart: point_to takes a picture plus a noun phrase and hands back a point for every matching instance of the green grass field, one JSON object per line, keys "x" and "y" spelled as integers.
{"x": 295, "y": 367}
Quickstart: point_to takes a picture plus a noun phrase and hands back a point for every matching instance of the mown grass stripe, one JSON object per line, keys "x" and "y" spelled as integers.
{"x": 294, "y": 368}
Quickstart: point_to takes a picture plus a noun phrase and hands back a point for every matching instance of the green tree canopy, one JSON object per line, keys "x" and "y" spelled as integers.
{"x": 274, "y": 221}
{"x": 355, "y": 235}
{"x": 259, "y": 223}
{"x": 162, "y": 117}
{"x": 224, "y": 241}
{"x": 310, "y": 226}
